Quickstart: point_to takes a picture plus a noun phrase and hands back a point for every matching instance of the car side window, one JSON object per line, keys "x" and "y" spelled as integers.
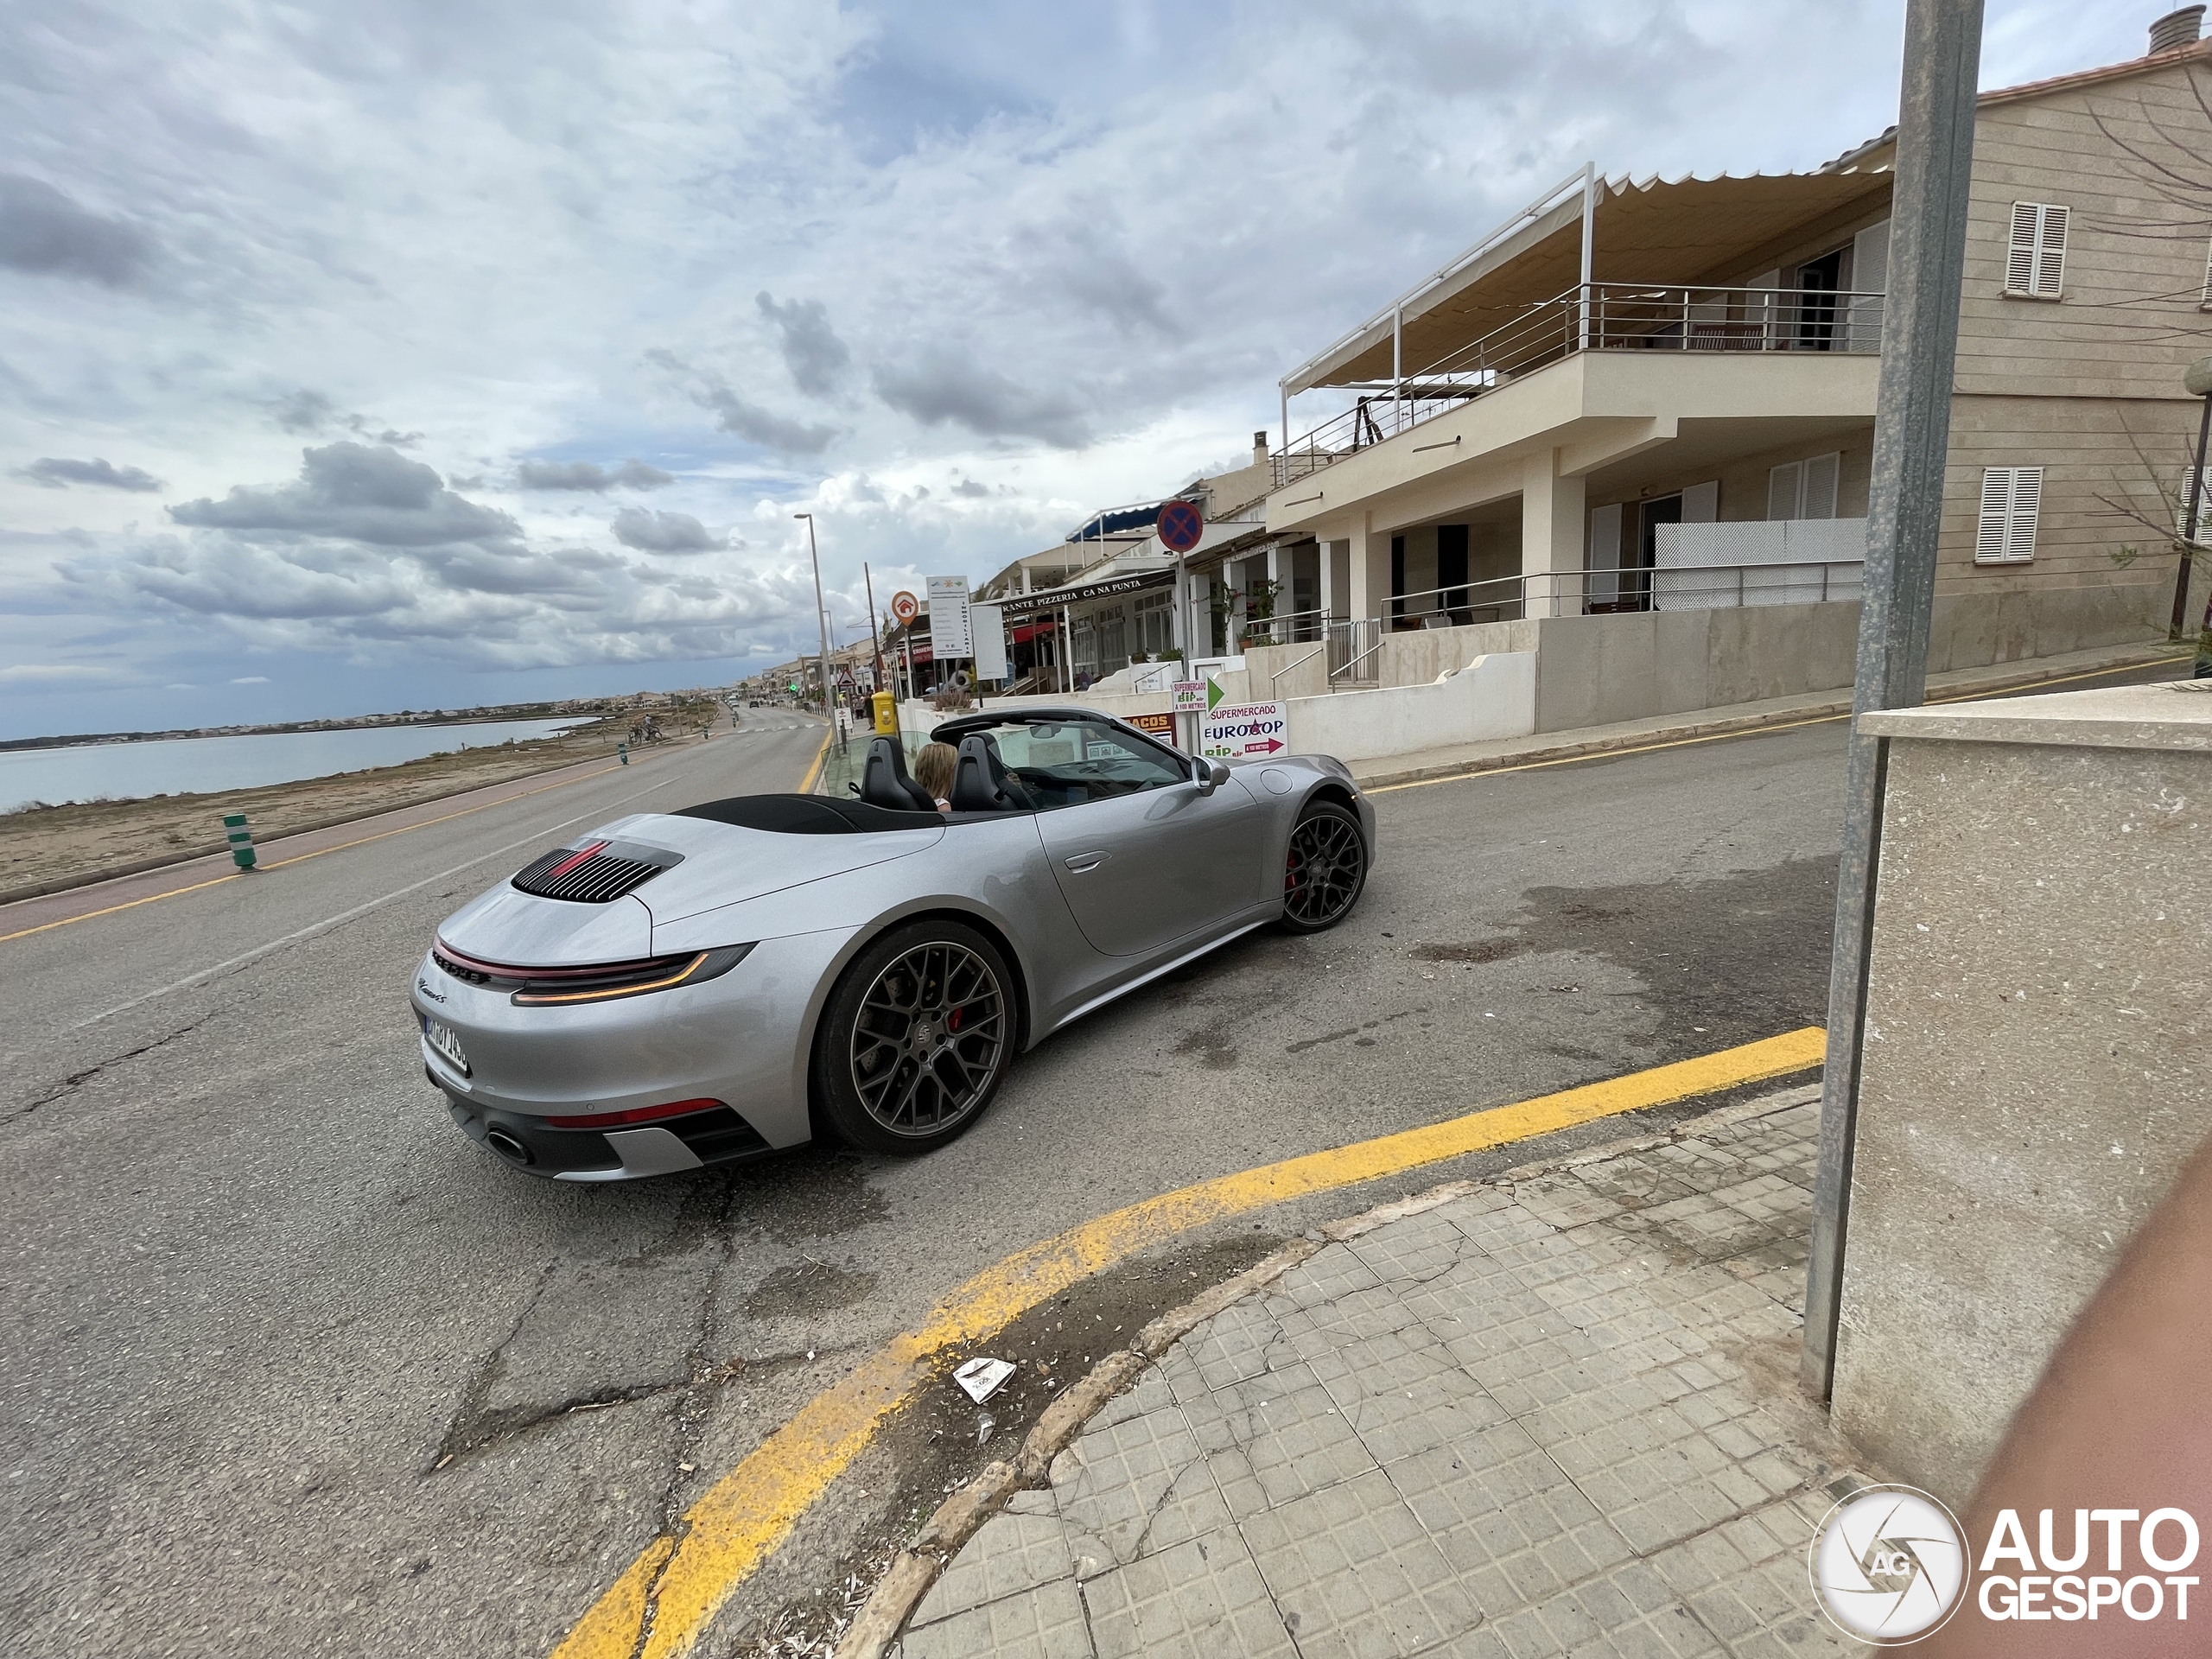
{"x": 1067, "y": 763}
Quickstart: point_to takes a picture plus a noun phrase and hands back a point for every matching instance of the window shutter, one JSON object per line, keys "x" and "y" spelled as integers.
{"x": 1995, "y": 508}
{"x": 2035, "y": 251}
{"x": 2027, "y": 503}
{"x": 2011, "y": 501}
{"x": 2203, "y": 508}
{"x": 1820, "y": 486}
{"x": 1701, "y": 503}
{"x": 2020, "y": 249}
{"x": 1785, "y": 489}
{"x": 2205, "y": 302}
{"x": 1869, "y": 259}
{"x": 2050, "y": 253}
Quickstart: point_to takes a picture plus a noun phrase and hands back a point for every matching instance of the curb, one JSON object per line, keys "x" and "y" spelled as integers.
{"x": 1689, "y": 730}
{"x": 883, "y": 1616}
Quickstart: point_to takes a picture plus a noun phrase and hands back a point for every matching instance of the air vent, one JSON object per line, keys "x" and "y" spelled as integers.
{"x": 597, "y": 873}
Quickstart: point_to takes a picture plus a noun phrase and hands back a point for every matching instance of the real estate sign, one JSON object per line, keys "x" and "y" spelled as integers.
{"x": 987, "y": 627}
{"x": 949, "y": 630}
{"x": 1234, "y": 731}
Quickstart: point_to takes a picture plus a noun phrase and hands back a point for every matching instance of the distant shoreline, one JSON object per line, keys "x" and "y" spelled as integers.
{"x": 358, "y": 722}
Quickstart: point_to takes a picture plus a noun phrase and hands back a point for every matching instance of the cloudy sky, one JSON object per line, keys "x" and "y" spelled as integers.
{"x": 362, "y": 357}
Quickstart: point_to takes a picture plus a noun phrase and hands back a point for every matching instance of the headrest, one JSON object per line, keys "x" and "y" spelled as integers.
{"x": 980, "y": 782}
{"x": 884, "y": 781}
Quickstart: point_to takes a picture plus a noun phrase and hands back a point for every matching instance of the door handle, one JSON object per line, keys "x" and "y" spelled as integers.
{"x": 1084, "y": 862}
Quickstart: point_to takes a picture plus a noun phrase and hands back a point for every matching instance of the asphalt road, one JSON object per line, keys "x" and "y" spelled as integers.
{"x": 290, "y": 1366}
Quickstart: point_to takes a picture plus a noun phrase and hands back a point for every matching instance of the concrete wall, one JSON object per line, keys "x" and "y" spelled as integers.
{"x": 1493, "y": 696}
{"x": 2039, "y": 985}
{"x": 1591, "y": 670}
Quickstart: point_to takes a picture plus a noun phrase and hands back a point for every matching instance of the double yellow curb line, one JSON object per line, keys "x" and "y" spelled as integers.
{"x": 665, "y": 1600}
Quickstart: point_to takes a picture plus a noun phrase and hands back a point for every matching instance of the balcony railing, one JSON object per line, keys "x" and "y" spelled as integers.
{"x": 1805, "y": 578}
{"x": 1603, "y": 317}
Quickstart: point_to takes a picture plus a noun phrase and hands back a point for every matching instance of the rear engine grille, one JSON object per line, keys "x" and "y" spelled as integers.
{"x": 595, "y": 874}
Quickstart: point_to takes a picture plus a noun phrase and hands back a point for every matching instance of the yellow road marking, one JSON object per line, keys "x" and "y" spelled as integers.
{"x": 1757, "y": 731}
{"x": 806, "y": 783}
{"x": 678, "y": 1584}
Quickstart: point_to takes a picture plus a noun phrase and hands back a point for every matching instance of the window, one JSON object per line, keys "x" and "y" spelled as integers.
{"x": 2204, "y": 301}
{"x": 1155, "y": 623}
{"x": 1068, "y": 762}
{"x": 1804, "y": 489}
{"x": 2011, "y": 497}
{"x": 1113, "y": 640}
{"x": 2035, "y": 253}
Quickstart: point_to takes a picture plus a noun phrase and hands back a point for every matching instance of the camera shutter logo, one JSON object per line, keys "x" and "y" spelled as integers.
{"x": 1889, "y": 1565}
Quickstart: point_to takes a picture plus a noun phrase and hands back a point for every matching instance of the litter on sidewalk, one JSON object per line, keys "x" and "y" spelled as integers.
{"x": 982, "y": 1376}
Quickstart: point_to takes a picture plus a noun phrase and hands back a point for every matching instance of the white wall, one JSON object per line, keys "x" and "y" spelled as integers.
{"x": 1493, "y": 696}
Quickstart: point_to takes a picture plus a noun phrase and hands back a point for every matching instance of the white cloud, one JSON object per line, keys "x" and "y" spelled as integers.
{"x": 797, "y": 255}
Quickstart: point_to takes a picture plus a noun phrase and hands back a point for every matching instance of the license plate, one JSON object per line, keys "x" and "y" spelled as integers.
{"x": 440, "y": 1036}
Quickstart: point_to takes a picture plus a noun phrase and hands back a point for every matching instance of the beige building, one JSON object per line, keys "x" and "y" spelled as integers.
{"x": 1632, "y": 429}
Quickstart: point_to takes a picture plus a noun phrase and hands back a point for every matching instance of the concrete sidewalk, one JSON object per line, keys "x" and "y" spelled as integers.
{"x": 1556, "y": 1415}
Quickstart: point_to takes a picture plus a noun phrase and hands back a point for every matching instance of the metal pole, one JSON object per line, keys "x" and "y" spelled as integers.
{"x": 1397, "y": 369}
{"x": 1912, "y": 427}
{"x": 821, "y": 617}
{"x": 2188, "y": 521}
{"x": 875, "y": 633}
{"x": 1589, "y": 230}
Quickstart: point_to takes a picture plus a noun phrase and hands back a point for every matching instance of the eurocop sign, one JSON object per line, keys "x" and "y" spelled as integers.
{"x": 1235, "y": 731}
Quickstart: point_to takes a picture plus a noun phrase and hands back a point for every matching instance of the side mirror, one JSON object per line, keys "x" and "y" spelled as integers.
{"x": 1209, "y": 775}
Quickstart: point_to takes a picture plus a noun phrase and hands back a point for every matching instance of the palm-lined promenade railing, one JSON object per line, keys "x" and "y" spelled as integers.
{"x": 1603, "y": 317}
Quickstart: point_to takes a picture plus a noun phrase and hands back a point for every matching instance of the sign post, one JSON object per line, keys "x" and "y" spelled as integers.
{"x": 1187, "y": 698}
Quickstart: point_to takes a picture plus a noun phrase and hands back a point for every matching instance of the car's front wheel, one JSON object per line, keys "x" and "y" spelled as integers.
{"x": 1324, "y": 869}
{"x": 915, "y": 1038}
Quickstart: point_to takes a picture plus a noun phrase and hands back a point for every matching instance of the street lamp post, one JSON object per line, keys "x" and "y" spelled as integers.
{"x": 2197, "y": 382}
{"x": 821, "y": 617}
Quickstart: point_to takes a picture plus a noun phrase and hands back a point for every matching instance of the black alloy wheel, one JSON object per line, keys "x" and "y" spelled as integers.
{"x": 1325, "y": 868}
{"x": 915, "y": 1038}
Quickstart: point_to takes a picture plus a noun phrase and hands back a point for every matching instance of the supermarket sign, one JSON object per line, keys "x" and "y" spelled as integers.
{"x": 1238, "y": 731}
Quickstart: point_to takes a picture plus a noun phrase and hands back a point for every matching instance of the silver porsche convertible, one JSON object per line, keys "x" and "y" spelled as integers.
{"x": 685, "y": 989}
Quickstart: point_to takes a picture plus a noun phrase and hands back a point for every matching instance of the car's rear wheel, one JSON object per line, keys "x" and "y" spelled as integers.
{"x": 916, "y": 1035}
{"x": 1325, "y": 868}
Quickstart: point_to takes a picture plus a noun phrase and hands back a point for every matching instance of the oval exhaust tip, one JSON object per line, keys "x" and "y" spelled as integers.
{"x": 507, "y": 1146}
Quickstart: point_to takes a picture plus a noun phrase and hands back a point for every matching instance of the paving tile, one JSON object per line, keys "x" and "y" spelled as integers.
{"x": 1122, "y": 1472}
{"x": 1151, "y": 1392}
{"x": 1202, "y": 1599}
{"x": 1233, "y": 1346}
{"x": 1278, "y": 1437}
{"x": 1519, "y": 1424}
{"x": 1010, "y": 1553}
{"x": 1353, "y": 1566}
{"x": 1044, "y": 1624}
